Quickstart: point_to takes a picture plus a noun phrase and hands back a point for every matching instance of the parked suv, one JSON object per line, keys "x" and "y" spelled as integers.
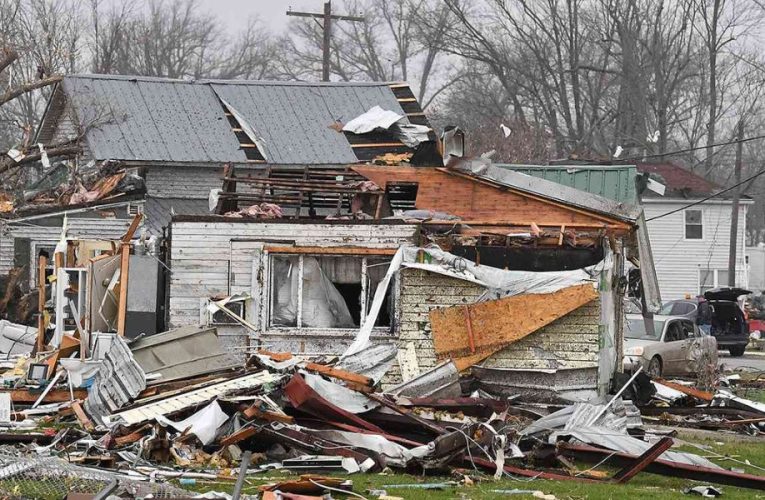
{"x": 717, "y": 313}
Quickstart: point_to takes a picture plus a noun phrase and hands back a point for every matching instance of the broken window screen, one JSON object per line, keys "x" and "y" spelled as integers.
{"x": 694, "y": 228}
{"x": 326, "y": 291}
{"x": 38, "y": 249}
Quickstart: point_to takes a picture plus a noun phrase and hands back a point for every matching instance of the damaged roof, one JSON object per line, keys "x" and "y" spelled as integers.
{"x": 558, "y": 192}
{"x": 156, "y": 119}
{"x": 615, "y": 182}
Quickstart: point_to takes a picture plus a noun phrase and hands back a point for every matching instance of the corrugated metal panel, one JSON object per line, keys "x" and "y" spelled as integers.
{"x": 615, "y": 182}
{"x": 151, "y": 119}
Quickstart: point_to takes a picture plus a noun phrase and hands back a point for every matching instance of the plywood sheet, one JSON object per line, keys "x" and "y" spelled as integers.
{"x": 469, "y": 334}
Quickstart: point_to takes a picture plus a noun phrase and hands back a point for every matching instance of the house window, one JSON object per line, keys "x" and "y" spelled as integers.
{"x": 712, "y": 278}
{"x": 326, "y": 291}
{"x": 694, "y": 228}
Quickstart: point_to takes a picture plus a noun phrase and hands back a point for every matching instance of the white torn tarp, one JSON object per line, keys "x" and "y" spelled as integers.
{"x": 411, "y": 134}
{"x": 373, "y": 119}
{"x": 499, "y": 282}
{"x": 378, "y": 118}
{"x": 338, "y": 395}
{"x": 361, "y": 341}
{"x": 203, "y": 424}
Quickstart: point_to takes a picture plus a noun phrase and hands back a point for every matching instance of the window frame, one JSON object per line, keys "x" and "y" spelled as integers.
{"x": 368, "y": 292}
{"x": 700, "y": 224}
{"x": 715, "y": 279}
{"x": 34, "y": 250}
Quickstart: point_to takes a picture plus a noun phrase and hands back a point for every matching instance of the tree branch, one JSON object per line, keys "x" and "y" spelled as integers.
{"x": 28, "y": 87}
{"x": 68, "y": 148}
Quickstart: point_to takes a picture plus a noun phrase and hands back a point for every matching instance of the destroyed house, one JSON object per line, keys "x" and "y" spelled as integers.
{"x": 513, "y": 278}
{"x": 178, "y": 134}
{"x": 158, "y": 147}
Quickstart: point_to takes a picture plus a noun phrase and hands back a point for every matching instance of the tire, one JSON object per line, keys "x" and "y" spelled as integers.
{"x": 654, "y": 367}
{"x": 737, "y": 350}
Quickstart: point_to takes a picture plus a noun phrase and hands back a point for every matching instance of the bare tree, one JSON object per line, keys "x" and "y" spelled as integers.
{"x": 399, "y": 40}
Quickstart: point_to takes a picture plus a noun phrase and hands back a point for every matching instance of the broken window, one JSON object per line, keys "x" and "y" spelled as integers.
{"x": 327, "y": 291}
{"x": 38, "y": 249}
{"x": 694, "y": 227}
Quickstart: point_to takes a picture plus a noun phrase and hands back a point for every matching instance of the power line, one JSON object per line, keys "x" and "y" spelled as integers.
{"x": 688, "y": 150}
{"x": 715, "y": 195}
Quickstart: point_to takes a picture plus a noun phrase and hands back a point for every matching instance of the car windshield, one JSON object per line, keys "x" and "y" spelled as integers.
{"x": 635, "y": 329}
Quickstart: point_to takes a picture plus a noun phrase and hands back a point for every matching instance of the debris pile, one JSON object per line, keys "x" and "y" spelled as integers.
{"x": 176, "y": 406}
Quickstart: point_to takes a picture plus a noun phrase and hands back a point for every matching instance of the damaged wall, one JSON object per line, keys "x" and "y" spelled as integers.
{"x": 47, "y": 231}
{"x": 214, "y": 256}
{"x": 569, "y": 342}
{"x": 190, "y": 182}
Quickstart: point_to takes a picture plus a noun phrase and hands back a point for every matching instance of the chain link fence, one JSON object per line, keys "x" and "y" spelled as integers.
{"x": 25, "y": 475}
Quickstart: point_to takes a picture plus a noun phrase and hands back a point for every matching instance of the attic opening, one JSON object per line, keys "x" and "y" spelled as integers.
{"x": 402, "y": 195}
{"x": 246, "y": 144}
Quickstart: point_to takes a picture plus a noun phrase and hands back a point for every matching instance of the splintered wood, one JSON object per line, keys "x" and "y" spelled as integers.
{"x": 471, "y": 333}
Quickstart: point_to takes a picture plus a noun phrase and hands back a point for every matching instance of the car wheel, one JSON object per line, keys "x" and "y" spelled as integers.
{"x": 737, "y": 350}
{"x": 654, "y": 367}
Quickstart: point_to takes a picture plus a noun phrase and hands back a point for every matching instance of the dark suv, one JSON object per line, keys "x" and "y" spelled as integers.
{"x": 717, "y": 313}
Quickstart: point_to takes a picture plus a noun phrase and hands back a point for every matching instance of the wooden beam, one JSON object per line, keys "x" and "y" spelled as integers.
{"x": 132, "y": 229}
{"x": 238, "y": 436}
{"x": 82, "y": 417}
{"x": 339, "y": 374}
{"x": 332, "y": 250}
{"x": 41, "y": 296}
{"x": 25, "y": 397}
{"x": 378, "y": 145}
{"x": 122, "y": 306}
{"x": 271, "y": 416}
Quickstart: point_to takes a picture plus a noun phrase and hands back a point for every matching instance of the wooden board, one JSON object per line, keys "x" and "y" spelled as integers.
{"x": 471, "y": 333}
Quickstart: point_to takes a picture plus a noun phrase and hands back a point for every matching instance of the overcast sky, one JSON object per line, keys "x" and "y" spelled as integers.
{"x": 272, "y": 12}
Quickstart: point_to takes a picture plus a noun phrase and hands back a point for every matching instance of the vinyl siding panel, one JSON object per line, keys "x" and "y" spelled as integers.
{"x": 677, "y": 259}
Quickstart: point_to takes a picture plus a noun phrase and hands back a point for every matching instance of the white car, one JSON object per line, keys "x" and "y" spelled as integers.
{"x": 676, "y": 347}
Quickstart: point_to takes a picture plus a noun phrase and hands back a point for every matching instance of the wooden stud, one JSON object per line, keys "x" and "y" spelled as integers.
{"x": 271, "y": 416}
{"x": 122, "y": 307}
{"x": 82, "y": 417}
{"x": 132, "y": 229}
{"x": 25, "y": 397}
{"x": 41, "y": 296}
{"x": 339, "y": 374}
{"x": 238, "y": 436}
{"x": 562, "y": 230}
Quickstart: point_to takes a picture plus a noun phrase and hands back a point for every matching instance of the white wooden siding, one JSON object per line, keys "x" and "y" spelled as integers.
{"x": 85, "y": 228}
{"x": 191, "y": 182}
{"x": 677, "y": 259}
{"x": 215, "y": 258}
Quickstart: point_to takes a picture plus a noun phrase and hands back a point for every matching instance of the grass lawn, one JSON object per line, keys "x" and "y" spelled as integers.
{"x": 643, "y": 485}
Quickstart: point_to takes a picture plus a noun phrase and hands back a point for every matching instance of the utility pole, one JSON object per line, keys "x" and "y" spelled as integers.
{"x": 736, "y": 198}
{"x": 326, "y": 26}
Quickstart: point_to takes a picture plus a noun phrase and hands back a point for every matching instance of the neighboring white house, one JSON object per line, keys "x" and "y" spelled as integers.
{"x": 755, "y": 259}
{"x": 690, "y": 244}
